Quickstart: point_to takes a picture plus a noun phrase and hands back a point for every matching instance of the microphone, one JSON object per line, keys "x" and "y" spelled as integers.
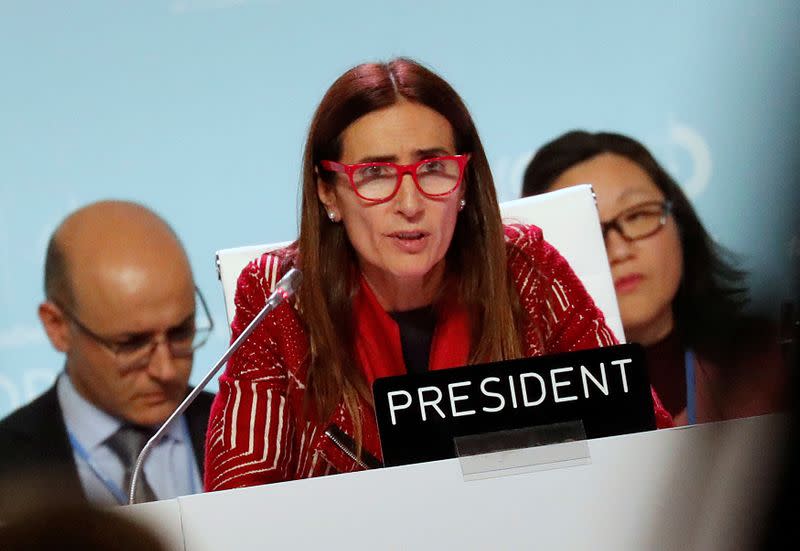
{"x": 285, "y": 288}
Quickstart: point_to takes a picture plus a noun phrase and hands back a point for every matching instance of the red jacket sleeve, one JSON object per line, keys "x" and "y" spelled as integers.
{"x": 248, "y": 441}
{"x": 559, "y": 314}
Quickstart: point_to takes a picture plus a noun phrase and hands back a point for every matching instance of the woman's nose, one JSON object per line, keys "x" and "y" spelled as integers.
{"x": 409, "y": 201}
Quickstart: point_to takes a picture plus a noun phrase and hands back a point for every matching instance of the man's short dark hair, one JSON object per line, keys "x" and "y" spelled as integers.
{"x": 57, "y": 287}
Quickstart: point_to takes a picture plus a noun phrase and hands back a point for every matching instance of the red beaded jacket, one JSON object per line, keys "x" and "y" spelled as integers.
{"x": 257, "y": 431}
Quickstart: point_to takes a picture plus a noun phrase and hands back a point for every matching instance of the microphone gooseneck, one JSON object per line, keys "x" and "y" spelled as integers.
{"x": 285, "y": 288}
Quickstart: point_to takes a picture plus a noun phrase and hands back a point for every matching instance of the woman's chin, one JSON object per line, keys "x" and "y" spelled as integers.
{"x": 414, "y": 272}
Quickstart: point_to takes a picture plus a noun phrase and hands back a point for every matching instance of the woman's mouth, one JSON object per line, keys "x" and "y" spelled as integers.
{"x": 628, "y": 283}
{"x": 412, "y": 241}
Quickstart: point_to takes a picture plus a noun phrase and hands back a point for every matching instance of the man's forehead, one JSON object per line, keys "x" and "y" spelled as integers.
{"x": 134, "y": 296}
{"x": 126, "y": 315}
{"x": 126, "y": 268}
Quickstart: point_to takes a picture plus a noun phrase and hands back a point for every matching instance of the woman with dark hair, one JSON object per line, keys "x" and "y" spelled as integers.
{"x": 678, "y": 293}
{"x": 400, "y": 274}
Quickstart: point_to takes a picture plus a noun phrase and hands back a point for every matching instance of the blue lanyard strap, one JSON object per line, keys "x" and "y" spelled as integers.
{"x": 120, "y": 495}
{"x": 111, "y": 486}
{"x": 691, "y": 395}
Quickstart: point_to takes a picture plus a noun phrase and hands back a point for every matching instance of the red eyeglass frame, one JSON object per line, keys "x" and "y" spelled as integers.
{"x": 402, "y": 170}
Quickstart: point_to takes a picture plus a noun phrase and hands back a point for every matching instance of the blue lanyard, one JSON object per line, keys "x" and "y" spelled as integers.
{"x": 691, "y": 398}
{"x": 113, "y": 487}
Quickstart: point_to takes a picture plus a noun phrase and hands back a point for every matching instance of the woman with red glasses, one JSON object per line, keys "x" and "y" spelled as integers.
{"x": 406, "y": 267}
{"x": 677, "y": 293}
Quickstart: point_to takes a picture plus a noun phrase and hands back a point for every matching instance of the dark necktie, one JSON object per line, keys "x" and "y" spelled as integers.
{"x": 127, "y": 444}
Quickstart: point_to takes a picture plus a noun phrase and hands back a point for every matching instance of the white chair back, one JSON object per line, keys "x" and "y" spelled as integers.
{"x": 231, "y": 262}
{"x": 568, "y": 218}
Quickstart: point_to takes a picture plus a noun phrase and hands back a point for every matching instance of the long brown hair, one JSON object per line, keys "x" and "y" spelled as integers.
{"x": 330, "y": 272}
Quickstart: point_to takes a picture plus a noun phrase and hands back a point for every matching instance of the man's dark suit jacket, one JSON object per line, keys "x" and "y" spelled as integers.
{"x": 36, "y": 459}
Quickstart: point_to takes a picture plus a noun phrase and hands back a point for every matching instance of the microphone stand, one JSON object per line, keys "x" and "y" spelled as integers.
{"x": 284, "y": 289}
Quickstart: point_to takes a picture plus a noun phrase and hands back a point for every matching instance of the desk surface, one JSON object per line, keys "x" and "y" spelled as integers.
{"x": 700, "y": 487}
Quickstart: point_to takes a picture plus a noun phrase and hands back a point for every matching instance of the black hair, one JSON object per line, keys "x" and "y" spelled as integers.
{"x": 709, "y": 305}
{"x": 56, "y": 279}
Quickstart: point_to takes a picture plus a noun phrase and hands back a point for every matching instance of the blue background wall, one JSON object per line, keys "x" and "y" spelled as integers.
{"x": 198, "y": 108}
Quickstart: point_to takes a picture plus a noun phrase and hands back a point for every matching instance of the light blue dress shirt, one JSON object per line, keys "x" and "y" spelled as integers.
{"x": 170, "y": 468}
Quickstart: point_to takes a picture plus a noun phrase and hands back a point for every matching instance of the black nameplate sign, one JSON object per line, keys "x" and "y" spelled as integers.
{"x": 606, "y": 388}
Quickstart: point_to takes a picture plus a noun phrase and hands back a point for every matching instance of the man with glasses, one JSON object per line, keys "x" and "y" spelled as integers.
{"x": 122, "y": 307}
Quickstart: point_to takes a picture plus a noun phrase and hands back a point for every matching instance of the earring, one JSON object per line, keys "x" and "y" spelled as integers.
{"x": 461, "y": 204}
{"x": 332, "y": 216}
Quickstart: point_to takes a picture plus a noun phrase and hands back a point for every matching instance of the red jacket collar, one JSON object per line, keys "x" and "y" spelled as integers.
{"x": 378, "y": 337}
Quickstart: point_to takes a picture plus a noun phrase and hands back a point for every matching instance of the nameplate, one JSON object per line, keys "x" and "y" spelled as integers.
{"x": 419, "y": 415}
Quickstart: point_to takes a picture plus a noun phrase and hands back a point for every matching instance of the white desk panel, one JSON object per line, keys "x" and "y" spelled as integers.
{"x": 686, "y": 488}
{"x": 164, "y": 517}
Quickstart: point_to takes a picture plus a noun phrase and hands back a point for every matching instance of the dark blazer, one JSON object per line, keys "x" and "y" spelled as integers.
{"x": 36, "y": 459}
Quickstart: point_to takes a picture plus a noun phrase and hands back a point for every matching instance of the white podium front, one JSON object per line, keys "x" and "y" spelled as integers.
{"x": 701, "y": 487}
